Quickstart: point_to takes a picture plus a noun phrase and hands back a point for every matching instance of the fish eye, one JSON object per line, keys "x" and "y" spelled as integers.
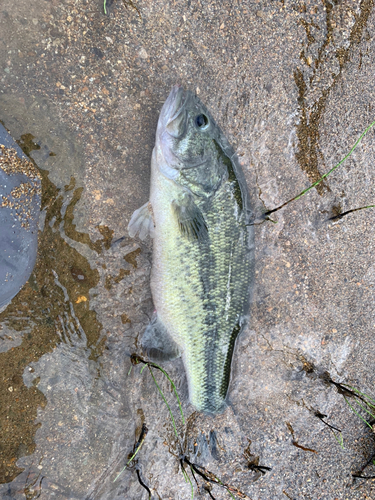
{"x": 201, "y": 121}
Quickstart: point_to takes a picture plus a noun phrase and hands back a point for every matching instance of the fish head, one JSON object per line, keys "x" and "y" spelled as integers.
{"x": 187, "y": 143}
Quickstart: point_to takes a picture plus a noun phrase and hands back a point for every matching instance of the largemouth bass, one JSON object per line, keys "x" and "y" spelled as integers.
{"x": 203, "y": 248}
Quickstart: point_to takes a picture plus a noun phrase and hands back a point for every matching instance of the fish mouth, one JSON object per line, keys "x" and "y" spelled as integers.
{"x": 174, "y": 103}
{"x": 177, "y": 101}
{"x": 173, "y": 116}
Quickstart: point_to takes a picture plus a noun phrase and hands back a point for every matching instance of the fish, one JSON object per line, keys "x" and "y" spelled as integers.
{"x": 20, "y": 202}
{"x": 199, "y": 217}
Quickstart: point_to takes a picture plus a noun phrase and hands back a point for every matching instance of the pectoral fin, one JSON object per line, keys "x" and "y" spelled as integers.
{"x": 142, "y": 222}
{"x": 157, "y": 343}
{"x": 190, "y": 219}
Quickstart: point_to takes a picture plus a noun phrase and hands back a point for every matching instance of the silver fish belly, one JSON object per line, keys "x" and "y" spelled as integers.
{"x": 203, "y": 248}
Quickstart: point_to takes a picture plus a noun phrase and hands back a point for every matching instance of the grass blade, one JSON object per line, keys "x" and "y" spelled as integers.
{"x": 358, "y": 415}
{"x": 187, "y": 479}
{"x": 338, "y": 164}
{"x": 324, "y": 175}
{"x": 165, "y": 401}
{"x": 340, "y": 439}
{"x": 174, "y": 390}
{"x": 137, "y": 448}
{"x": 361, "y": 394}
{"x": 137, "y": 360}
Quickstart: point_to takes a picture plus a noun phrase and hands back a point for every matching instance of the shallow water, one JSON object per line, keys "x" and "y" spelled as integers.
{"x": 292, "y": 87}
{"x": 52, "y": 341}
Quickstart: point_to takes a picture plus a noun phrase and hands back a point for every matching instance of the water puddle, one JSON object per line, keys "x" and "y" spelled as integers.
{"x": 51, "y": 317}
{"x": 67, "y": 410}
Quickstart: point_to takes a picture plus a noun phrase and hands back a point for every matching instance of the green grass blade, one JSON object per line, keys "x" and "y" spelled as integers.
{"x": 364, "y": 408}
{"x": 324, "y": 175}
{"x": 187, "y": 479}
{"x": 165, "y": 401}
{"x": 225, "y": 487}
{"x": 358, "y": 415}
{"x": 143, "y": 367}
{"x": 340, "y": 440}
{"x": 174, "y": 390}
{"x": 128, "y": 462}
{"x": 337, "y": 165}
{"x": 105, "y": 6}
{"x": 172, "y": 384}
{"x": 361, "y": 393}
{"x": 230, "y": 493}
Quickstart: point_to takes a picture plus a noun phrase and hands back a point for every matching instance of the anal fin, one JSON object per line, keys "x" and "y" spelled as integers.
{"x": 157, "y": 343}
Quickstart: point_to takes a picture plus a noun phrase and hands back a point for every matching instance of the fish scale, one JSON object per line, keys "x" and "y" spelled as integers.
{"x": 205, "y": 360}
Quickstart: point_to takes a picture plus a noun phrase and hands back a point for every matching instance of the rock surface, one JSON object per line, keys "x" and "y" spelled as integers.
{"x": 291, "y": 86}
